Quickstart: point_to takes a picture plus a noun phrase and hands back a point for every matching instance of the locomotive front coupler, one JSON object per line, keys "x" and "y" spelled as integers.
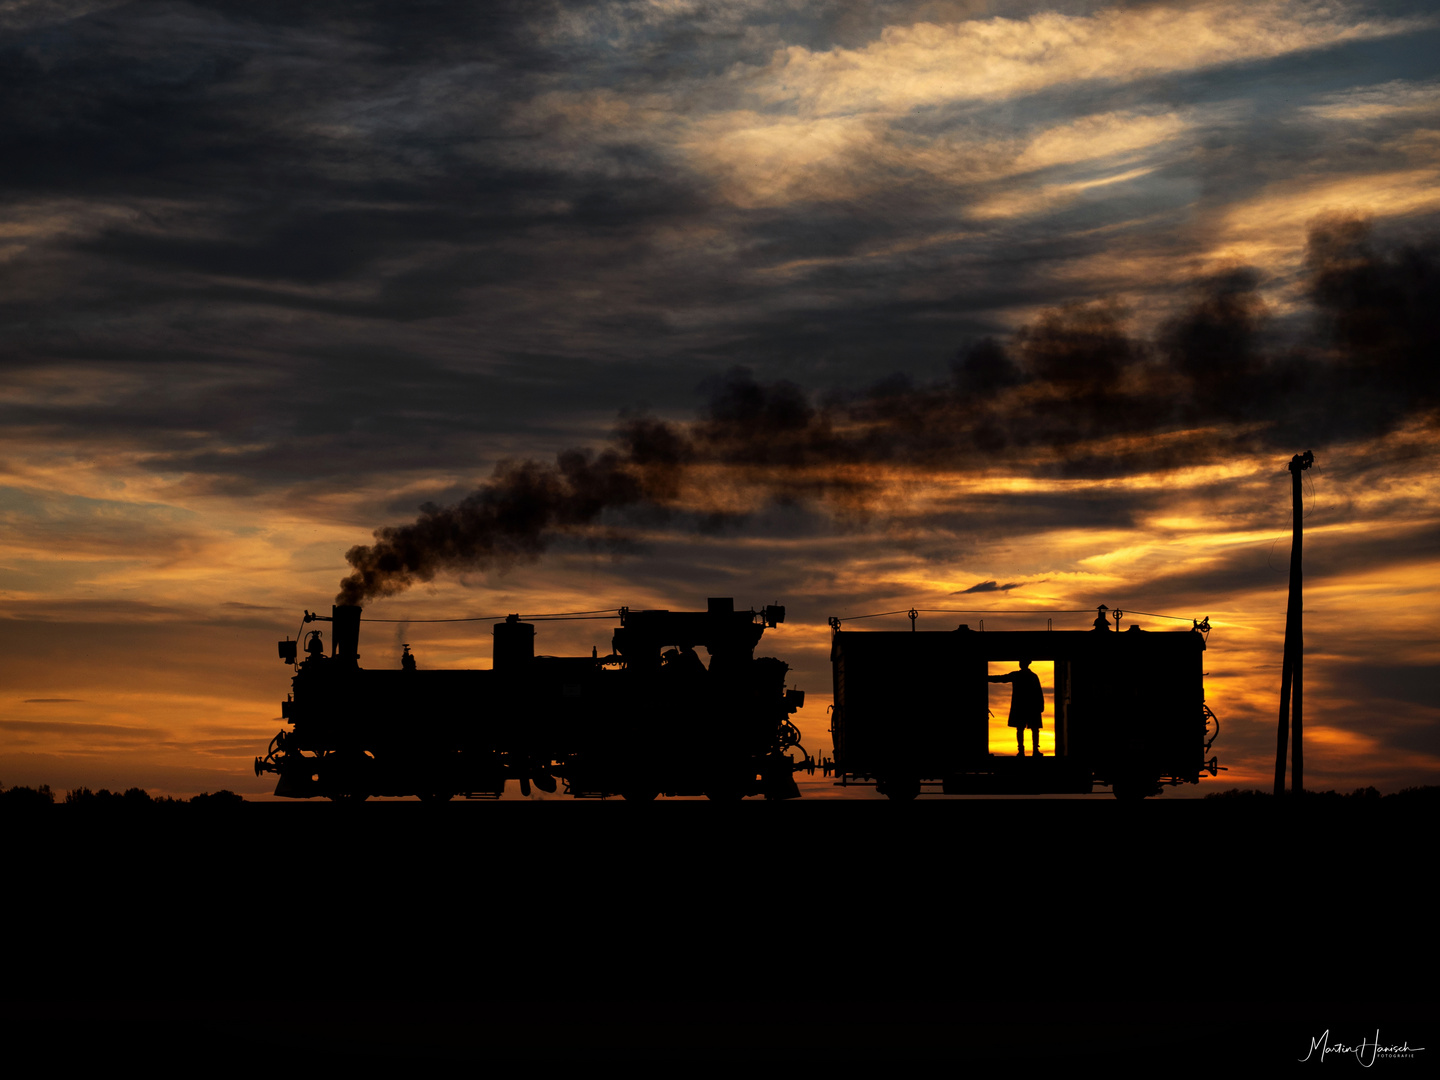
{"x": 268, "y": 762}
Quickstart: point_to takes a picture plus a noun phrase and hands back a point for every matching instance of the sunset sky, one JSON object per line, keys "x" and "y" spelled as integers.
{"x": 850, "y": 306}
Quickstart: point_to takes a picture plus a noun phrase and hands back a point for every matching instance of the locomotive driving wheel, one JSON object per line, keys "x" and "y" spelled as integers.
{"x": 348, "y": 773}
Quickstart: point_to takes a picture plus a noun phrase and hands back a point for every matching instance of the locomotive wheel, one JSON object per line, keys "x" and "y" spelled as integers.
{"x": 725, "y": 795}
{"x": 436, "y": 796}
{"x": 902, "y": 790}
{"x": 640, "y": 794}
{"x": 350, "y": 772}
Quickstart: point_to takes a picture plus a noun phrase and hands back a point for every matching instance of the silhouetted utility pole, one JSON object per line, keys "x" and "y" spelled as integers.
{"x": 1291, "y": 669}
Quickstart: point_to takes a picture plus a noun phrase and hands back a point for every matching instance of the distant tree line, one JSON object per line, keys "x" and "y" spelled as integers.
{"x": 1428, "y": 795}
{"x": 42, "y": 796}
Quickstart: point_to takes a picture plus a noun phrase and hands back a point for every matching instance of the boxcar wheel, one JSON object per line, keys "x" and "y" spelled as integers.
{"x": 902, "y": 790}
{"x": 1134, "y": 789}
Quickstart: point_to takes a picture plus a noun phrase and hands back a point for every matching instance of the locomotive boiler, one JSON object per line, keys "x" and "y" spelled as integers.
{"x": 648, "y": 719}
{"x": 911, "y": 710}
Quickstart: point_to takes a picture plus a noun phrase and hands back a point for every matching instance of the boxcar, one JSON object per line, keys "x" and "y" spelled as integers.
{"x": 1127, "y": 710}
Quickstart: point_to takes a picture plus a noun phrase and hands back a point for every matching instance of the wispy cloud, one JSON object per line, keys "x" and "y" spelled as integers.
{"x": 1397, "y": 98}
{"x": 985, "y": 59}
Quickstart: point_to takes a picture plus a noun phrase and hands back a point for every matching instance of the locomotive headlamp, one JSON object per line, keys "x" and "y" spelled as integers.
{"x": 287, "y": 650}
{"x": 774, "y": 615}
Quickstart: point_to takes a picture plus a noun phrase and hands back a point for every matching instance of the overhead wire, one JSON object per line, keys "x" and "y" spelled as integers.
{"x": 1153, "y": 615}
{"x": 598, "y": 613}
{"x": 1006, "y": 611}
{"x": 606, "y": 613}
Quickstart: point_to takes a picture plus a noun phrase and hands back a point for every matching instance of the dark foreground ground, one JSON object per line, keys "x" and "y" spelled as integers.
{"x": 1147, "y": 936}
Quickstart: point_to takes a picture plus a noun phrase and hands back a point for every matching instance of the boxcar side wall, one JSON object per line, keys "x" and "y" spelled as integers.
{"x": 904, "y": 702}
{"x": 1126, "y": 707}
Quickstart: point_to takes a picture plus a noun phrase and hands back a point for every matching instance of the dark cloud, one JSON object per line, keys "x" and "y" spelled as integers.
{"x": 987, "y": 586}
{"x": 258, "y": 189}
{"x": 1067, "y": 386}
{"x": 1417, "y": 684}
{"x": 76, "y": 729}
{"x": 327, "y": 243}
{"x": 58, "y": 610}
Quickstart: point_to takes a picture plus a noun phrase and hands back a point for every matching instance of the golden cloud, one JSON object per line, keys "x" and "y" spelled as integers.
{"x": 989, "y": 59}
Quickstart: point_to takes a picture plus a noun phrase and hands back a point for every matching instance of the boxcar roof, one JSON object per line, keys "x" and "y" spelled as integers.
{"x": 1015, "y": 644}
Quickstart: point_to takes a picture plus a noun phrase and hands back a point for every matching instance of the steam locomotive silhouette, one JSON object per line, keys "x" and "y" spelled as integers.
{"x": 649, "y": 719}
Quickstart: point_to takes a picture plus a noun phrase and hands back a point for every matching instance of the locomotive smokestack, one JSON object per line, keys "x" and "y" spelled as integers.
{"x": 345, "y": 634}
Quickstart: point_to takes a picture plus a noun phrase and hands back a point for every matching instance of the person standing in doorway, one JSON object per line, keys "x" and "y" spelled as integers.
{"x": 1027, "y": 705}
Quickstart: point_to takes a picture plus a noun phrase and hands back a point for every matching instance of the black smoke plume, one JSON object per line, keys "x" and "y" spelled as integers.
{"x": 1073, "y": 394}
